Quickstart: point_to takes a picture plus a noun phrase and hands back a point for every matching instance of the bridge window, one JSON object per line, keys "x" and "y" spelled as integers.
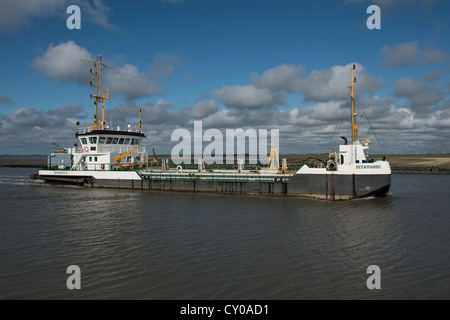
{"x": 127, "y": 141}
{"x": 115, "y": 140}
{"x": 121, "y": 140}
{"x": 83, "y": 141}
{"x": 92, "y": 140}
{"x": 133, "y": 141}
{"x": 108, "y": 140}
{"x": 101, "y": 140}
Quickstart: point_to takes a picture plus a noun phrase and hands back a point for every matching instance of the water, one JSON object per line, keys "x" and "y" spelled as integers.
{"x": 132, "y": 244}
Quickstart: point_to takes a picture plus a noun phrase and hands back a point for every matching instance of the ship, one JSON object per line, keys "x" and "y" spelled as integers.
{"x": 115, "y": 157}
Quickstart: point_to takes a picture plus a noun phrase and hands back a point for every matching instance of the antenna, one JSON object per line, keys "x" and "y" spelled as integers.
{"x": 355, "y": 135}
{"x": 97, "y": 93}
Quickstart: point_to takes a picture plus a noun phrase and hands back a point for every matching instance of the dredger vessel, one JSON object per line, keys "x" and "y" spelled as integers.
{"x": 114, "y": 157}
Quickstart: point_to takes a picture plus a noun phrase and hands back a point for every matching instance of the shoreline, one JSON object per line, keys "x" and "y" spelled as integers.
{"x": 400, "y": 164}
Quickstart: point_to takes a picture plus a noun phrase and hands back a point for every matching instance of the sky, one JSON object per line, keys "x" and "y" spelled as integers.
{"x": 261, "y": 64}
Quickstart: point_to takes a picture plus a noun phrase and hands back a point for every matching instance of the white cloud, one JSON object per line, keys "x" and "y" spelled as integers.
{"x": 319, "y": 85}
{"x": 331, "y": 84}
{"x": 5, "y": 100}
{"x": 39, "y": 129}
{"x": 164, "y": 64}
{"x": 62, "y": 62}
{"x": 418, "y": 94}
{"x": 282, "y": 78}
{"x": 128, "y": 81}
{"x": 203, "y": 109}
{"x": 410, "y": 54}
{"x": 17, "y": 14}
{"x": 246, "y": 96}
{"x": 163, "y": 112}
{"x": 160, "y": 112}
{"x": 97, "y": 12}
{"x": 257, "y": 105}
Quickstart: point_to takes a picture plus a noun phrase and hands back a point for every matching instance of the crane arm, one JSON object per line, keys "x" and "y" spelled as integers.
{"x": 119, "y": 157}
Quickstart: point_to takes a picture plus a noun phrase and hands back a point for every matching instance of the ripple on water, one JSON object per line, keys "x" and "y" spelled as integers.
{"x": 160, "y": 245}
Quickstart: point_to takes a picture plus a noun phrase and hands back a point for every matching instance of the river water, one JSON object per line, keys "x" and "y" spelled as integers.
{"x": 132, "y": 244}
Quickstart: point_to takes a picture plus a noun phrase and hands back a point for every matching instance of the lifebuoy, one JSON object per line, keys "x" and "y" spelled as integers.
{"x": 102, "y": 166}
{"x": 86, "y": 149}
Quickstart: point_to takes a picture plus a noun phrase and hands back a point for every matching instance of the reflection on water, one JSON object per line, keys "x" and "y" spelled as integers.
{"x": 154, "y": 245}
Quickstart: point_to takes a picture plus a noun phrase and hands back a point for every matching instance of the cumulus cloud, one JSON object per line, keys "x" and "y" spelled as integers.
{"x": 246, "y": 96}
{"x": 97, "y": 12}
{"x": 17, "y": 14}
{"x": 164, "y": 64}
{"x": 435, "y": 75}
{"x": 331, "y": 84}
{"x": 128, "y": 81}
{"x": 163, "y": 112}
{"x": 5, "y": 100}
{"x": 318, "y": 86}
{"x": 31, "y": 117}
{"x": 417, "y": 93}
{"x": 309, "y": 128}
{"x": 39, "y": 129}
{"x": 133, "y": 84}
{"x": 160, "y": 112}
{"x": 262, "y": 104}
{"x": 62, "y": 62}
{"x": 282, "y": 78}
{"x": 203, "y": 109}
{"x": 410, "y": 54}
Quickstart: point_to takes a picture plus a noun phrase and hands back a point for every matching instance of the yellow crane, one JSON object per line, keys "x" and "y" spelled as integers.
{"x": 273, "y": 159}
{"x": 154, "y": 155}
{"x": 119, "y": 157}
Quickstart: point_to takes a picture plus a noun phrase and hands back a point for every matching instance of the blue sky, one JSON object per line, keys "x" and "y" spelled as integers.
{"x": 232, "y": 64}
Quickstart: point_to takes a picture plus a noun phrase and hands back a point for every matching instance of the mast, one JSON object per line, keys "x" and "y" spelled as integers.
{"x": 97, "y": 93}
{"x": 140, "y": 123}
{"x": 355, "y": 135}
